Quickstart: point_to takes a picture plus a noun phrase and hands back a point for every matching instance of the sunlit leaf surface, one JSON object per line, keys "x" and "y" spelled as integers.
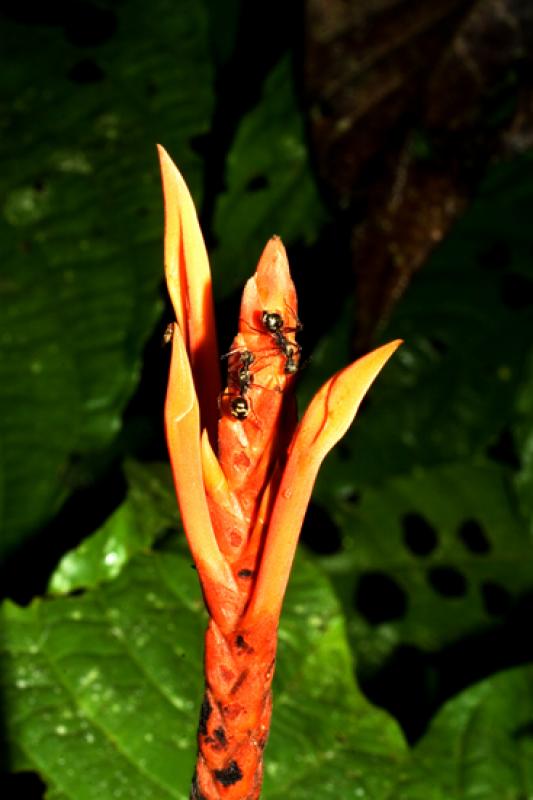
{"x": 102, "y": 691}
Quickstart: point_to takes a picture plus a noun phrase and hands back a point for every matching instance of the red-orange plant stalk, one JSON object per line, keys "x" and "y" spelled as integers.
{"x": 244, "y": 470}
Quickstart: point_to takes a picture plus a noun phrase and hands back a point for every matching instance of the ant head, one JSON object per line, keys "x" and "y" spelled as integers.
{"x": 272, "y": 321}
{"x": 239, "y": 408}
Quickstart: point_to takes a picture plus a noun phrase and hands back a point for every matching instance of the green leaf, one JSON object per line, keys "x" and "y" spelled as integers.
{"x": 148, "y": 513}
{"x": 102, "y": 691}
{"x": 431, "y": 557}
{"x": 479, "y": 746}
{"x": 270, "y": 187}
{"x": 81, "y": 231}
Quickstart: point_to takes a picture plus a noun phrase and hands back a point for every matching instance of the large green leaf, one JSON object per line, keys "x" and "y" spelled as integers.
{"x": 102, "y": 691}
{"x": 479, "y": 746}
{"x": 270, "y": 186}
{"x": 431, "y": 557}
{"x": 432, "y": 450}
{"x": 81, "y": 228}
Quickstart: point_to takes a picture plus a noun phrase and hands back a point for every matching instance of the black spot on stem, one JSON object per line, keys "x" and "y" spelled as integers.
{"x": 205, "y": 713}
{"x": 220, "y": 734}
{"x": 242, "y": 644}
{"x": 229, "y": 775}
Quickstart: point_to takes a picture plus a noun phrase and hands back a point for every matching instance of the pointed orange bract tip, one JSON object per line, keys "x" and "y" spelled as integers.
{"x": 328, "y": 417}
{"x": 270, "y": 289}
{"x": 189, "y": 286}
{"x": 176, "y": 282}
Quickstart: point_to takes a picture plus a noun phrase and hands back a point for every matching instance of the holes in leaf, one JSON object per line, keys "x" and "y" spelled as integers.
{"x": 90, "y": 25}
{"x": 86, "y": 71}
{"x": 352, "y": 497}
{"x": 496, "y": 598}
{"x": 319, "y": 532}
{"x": 474, "y": 538}
{"x": 439, "y": 345}
{"x": 379, "y": 598}
{"x": 517, "y": 291}
{"x": 447, "y": 581}
{"x": 503, "y": 450}
{"x": 419, "y": 535}
{"x": 257, "y": 184}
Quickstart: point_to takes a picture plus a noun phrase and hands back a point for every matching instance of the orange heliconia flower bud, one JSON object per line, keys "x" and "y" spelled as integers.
{"x": 243, "y": 470}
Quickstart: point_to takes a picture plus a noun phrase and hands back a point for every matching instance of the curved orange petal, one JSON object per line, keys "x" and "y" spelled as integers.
{"x": 328, "y": 417}
{"x": 189, "y": 286}
{"x": 182, "y": 423}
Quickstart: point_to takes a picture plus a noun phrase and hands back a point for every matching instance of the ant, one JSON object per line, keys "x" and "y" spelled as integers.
{"x": 168, "y": 334}
{"x": 274, "y": 324}
{"x": 239, "y": 406}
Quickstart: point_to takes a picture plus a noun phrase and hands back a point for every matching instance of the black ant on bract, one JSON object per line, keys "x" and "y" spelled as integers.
{"x": 274, "y": 324}
{"x": 243, "y": 379}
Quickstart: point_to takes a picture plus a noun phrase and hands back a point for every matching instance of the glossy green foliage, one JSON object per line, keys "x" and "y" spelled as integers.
{"x": 479, "y": 745}
{"x": 80, "y": 231}
{"x": 103, "y": 690}
{"x": 432, "y": 557}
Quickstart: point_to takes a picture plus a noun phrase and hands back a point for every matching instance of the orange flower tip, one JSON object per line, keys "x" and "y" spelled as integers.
{"x": 172, "y": 177}
{"x": 168, "y": 169}
{"x": 339, "y": 399}
{"x": 270, "y": 289}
